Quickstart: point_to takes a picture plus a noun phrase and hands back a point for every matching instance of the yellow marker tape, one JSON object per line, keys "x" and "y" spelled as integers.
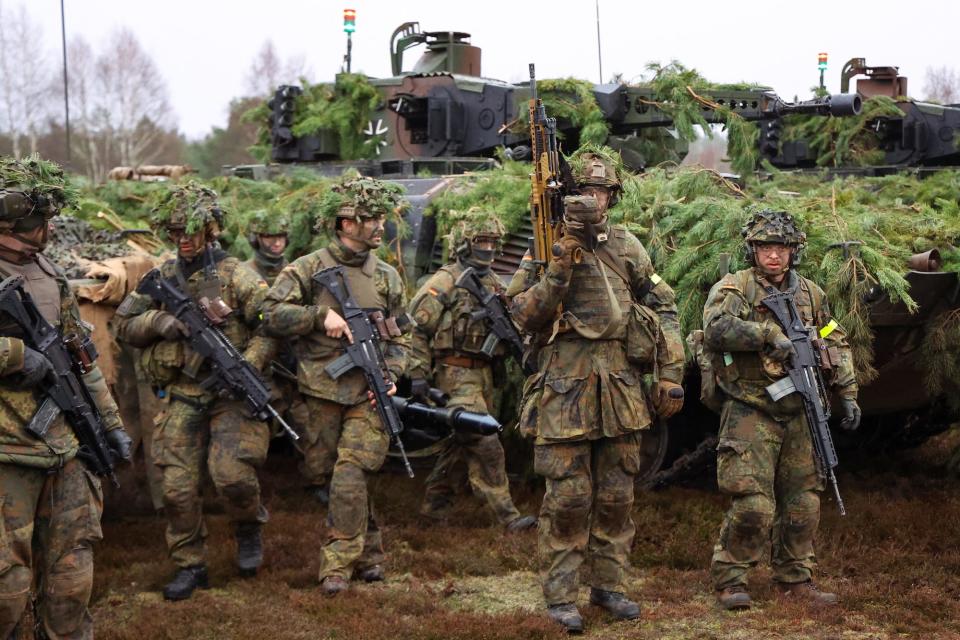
{"x": 827, "y": 330}
{"x": 655, "y": 279}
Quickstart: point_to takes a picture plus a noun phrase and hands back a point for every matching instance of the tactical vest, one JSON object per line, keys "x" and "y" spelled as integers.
{"x": 588, "y": 299}
{"x": 40, "y": 281}
{"x": 459, "y": 331}
{"x": 362, "y": 285}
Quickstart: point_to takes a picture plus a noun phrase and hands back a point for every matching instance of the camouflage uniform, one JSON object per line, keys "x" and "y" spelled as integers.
{"x": 764, "y": 456}
{"x": 446, "y": 347}
{"x": 50, "y": 504}
{"x": 286, "y": 396}
{"x": 586, "y": 407}
{"x": 199, "y": 429}
{"x": 345, "y": 435}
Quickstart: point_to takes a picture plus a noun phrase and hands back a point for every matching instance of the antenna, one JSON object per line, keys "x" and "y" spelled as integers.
{"x": 599, "y": 55}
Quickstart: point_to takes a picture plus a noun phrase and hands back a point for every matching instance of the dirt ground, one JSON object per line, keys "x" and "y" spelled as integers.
{"x": 894, "y": 559}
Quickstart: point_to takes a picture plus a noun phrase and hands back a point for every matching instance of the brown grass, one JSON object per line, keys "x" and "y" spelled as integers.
{"x": 895, "y": 560}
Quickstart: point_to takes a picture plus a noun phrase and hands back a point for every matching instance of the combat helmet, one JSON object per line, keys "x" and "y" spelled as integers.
{"x": 769, "y": 226}
{"x": 32, "y": 191}
{"x": 355, "y": 198}
{"x": 597, "y": 166}
{"x": 268, "y": 223}
{"x": 469, "y": 226}
{"x": 188, "y": 209}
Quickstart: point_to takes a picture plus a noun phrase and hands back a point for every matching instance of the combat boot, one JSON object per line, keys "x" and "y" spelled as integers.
{"x": 567, "y": 616}
{"x": 734, "y": 598}
{"x": 807, "y": 591}
{"x": 616, "y": 603}
{"x": 436, "y": 509}
{"x": 186, "y": 580}
{"x": 521, "y": 523}
{"x": 249, "y": 548}
{"x": 371, "y": 574}
{"x": 332, "y": 585}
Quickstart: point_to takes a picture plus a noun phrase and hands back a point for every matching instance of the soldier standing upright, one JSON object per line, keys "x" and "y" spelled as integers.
{"x": 447, "y": 347}
{"x": 200, "y": 429}
{"x": 586, "y": 406}
{"x": 765, "y": 453}
{"x": 51, "y": 504}
{"x": 344, "y": 435}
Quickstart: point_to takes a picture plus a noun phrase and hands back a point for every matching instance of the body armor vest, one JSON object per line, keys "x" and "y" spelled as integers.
{"x": 588, "y": 299}
{"x": 40, "y": 281}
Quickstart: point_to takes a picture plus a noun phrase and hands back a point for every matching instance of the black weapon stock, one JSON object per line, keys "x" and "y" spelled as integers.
{"x": 231, "y": 373}
{"x": 495, "y": 313}
{"x": 456, "y": 418}
{"x": 805, "y": 378}
{"x": 65, "y": 390}
{"x": 364, "y": 354}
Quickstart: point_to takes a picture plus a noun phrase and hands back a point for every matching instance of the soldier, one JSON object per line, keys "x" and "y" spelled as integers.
{"x": 200, "y": 429}
{"x": 268, "y": 235}
{"x": 586, "y": 407}
{"x": 51, "y": 504}
{"x": 765, "y": 456}
{"x": 344, "y": 427}
{"x": 447, "y": 348}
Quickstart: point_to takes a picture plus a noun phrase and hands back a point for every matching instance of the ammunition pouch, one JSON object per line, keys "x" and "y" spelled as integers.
{"x": 162, "y": 362}
{"x": 643, "y": 335}
{"x": 711, "y": 395}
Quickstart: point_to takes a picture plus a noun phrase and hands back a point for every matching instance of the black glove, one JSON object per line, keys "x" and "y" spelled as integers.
{"x": 119, "y": 443}
{"x": 851, "y": 414}
{"x": 780, "y": 346}
{"x": 35, "y": 368}
{"x": 167, "y": 325}
{"x": 420, "y": 389}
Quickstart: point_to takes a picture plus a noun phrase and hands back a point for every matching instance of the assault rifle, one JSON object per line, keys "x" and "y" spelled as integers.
{"x": 231, "y": 373}
{"x": 495, "y": 313}
{"x": 65, "y": 390}
{"x": 364, "y": 354}
{"x": 456, "y": 418}
{"x": 550, "y": 181}
{"x": 804, "y": 377}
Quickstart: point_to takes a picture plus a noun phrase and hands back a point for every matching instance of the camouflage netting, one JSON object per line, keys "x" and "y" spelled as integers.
{"x": 38, "y": 177}
{"x": 75, "y": 243}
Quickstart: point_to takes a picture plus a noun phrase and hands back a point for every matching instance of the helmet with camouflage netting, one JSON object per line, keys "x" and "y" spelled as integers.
{"x": 598, "y": 166}
{"x": 467, "y": 227}
{"x": 189, "y": 209}
{"x": 266, "y": 222}
{"x": 355, "y": 197}
{"x": 32, "y": 191}
{"x": 767, "y": 226}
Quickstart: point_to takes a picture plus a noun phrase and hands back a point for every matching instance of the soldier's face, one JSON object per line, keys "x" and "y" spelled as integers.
{"x": 369, "y": 231}
{"x": 772, "y": 258}
{"x": 602, "y": 194}
{"x": 189, "y": 246}
{"x": 273, "y": 244}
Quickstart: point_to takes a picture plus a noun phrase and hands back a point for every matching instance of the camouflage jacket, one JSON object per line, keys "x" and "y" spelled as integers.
{"x": 735, "y": 324}
{"x": 586, "y": 388}
{"x": 297, "y": 306}
{"x": 172, "y": 364}
{"x": 17, "y": 406}
{"x": 445, "y": 326}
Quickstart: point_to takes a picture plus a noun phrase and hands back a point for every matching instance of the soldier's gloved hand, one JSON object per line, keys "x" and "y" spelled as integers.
{"x": 562, "y": 261}
{"x": 851, "y": 414}
{"x": 420, "y": 389}
{"x": 35, "y": 368}
{"x": 780, "y": 346}
{"x": 119, "y": 443}
{"x": 667, "y": 399}
{"x": 167, "y": 325}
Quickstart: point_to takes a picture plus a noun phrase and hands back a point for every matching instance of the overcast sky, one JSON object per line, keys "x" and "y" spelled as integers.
{"x": 204, "y": 48}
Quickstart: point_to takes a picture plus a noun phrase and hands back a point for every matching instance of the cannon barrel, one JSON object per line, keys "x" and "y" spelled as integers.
{"x": 839, "y": 105}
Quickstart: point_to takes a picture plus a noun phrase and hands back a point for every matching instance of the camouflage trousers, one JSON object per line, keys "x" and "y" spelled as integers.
{"x": 471, "y": 389}
{"x": 767, "y": 467}
{"x": 49, "y": 523}
{"x": 219, "y": 436}
{"x": 319, "y": 436}
{"x": 139, "y": 407}
{"x": 353, "y": 540}
{"x": 289, "y": 403}
{"x": 585, "y": 516}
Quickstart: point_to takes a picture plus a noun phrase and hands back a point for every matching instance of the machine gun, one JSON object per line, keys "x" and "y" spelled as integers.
{"x": 364, "y": 354}
{"x": 805, "y": 378}
{"x": 495, "y": 313}
{"x": 66, "y": 392}
{"x": 231, "y": 372}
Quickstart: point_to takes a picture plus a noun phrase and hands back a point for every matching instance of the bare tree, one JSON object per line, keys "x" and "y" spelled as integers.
{"x": 267, "y": 71}
{"x": 942, "y": 84}
{"x": 25, "y": 78}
